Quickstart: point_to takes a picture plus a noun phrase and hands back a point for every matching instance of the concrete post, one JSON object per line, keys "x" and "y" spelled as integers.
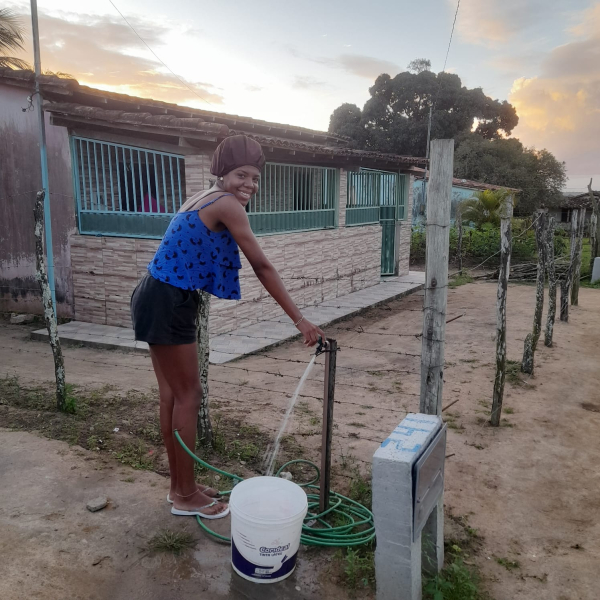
{"x": 398, "y": 554}
{"x": 596, "y": 270}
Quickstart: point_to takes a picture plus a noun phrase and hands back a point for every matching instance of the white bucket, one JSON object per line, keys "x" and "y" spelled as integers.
{"x": 266, "y": 523}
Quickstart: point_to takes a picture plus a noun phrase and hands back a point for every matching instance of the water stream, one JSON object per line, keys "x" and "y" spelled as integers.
{"x": 273, "y": 451}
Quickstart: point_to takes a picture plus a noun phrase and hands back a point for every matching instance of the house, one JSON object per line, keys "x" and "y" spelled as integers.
{"x": 331, "y": 219}
{"x": 462, "y": 189}
{"x": 562, "y": 213}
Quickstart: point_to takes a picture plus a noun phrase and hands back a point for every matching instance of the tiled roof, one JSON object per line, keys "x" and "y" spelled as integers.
{"x": 580, "y": 201}
{"x": 467, "y": 183}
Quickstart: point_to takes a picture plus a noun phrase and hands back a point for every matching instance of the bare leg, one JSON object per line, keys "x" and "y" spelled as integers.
{"x": 177, "y": 367}
{"x": 167, "y": 403}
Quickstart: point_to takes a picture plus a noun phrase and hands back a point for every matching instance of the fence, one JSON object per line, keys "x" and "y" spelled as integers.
{"x": 125, "y": 191}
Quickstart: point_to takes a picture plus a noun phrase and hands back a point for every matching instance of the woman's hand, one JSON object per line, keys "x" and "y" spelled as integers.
{"x": 310, "y": 332}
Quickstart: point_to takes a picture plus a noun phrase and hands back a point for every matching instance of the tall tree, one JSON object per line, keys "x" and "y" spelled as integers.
{"x": 419, "y": 65}
{"x": 395, "y": 118}
{"x": 538, "y": 174}
{"x": 11, "y": 39}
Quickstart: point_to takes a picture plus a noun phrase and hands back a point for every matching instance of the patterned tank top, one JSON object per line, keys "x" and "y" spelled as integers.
{"x": 193, "y": 257}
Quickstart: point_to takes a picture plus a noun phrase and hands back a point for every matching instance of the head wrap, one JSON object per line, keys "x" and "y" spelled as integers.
{"x": 236, "y": 151}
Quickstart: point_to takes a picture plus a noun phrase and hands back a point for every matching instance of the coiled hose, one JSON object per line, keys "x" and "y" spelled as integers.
{"x": 357, "y": 526}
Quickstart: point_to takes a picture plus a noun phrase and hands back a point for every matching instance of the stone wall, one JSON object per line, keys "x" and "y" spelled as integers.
{"x": 315, "y": 266}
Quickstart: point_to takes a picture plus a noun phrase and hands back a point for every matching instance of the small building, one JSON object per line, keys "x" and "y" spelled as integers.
{"x": 462, "y": 189}
{"x": 331, "y": 219}
{"x": 562, "y": 213}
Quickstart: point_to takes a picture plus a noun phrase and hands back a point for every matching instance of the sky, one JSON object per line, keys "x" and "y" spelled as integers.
{"x": 294, "y": 62}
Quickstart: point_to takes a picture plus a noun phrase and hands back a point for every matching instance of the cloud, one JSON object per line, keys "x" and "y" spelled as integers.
{"x": 254, "y": 88}
{"x": 360, "y": 65}
{"x": 103, "y": 52}
{"x": 560, "y": 108}
{"x": 307, "y": 83}
{"x": 490, "y": 22}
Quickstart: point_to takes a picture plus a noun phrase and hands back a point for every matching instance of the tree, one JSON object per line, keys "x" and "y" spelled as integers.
{"x": 419, "y": 65}
{"x": 483, "y": 208}
{"x": 396, "y": 117}
{"x": 506, "y": 162}
{"x": 11, "y": 39}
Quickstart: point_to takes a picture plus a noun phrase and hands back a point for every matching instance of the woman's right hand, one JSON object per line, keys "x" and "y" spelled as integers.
{"x": 310, "y": 332}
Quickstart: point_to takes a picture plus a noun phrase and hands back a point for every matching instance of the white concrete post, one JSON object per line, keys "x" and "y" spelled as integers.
{"x": 596, "y": 270}
{"x": 398, "y": 555}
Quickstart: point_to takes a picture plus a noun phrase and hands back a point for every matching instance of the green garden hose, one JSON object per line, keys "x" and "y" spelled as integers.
{"x": 357, "y": 527}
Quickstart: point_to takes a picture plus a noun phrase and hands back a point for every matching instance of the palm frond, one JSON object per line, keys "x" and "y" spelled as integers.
{"x": 14, "y": 63}
{"x": 11, "y": 31}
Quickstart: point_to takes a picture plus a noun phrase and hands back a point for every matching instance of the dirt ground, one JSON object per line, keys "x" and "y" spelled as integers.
{"x": 529, "y": 490}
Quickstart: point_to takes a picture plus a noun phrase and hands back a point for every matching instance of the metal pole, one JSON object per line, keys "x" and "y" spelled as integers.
{"x": 43, "y": 153}
{"x": 330, "y": 360}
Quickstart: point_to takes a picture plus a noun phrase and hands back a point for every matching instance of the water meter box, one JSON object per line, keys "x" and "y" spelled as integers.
{"x": 428, "y": 480}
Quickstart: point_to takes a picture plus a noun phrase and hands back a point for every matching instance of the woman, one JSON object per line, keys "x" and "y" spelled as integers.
{"x": 200, "y": 252}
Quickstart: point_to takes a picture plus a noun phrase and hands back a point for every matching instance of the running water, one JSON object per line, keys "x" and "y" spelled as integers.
{"x": 273, "y": 451}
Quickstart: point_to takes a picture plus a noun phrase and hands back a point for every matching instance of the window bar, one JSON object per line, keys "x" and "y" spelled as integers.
{"x": 271, "y": 176}
{"x": 89, "y": 159}
{"x": 119, "y": 177}
{"x": 148, "y": 188}
{"x": 156, "y": 183}
{"x": 178, "y": 162}
{"x": 164, "y": 181}
{"x": 103, "y": 176}
{"x": 112, "y": 189}
{"x": 97, "y": 180}
{"x": 172, "y": 182}
{"x": 81, "y": 161}
{"x": 140, "y": 183}
{"x": 133, "y": 181}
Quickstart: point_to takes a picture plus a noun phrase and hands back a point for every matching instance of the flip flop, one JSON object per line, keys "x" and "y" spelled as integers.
{"x": 217, "y": 497}
{"x": 193, "y": 513}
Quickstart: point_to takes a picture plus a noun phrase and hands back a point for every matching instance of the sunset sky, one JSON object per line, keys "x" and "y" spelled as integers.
{"x": 295, "y": 61}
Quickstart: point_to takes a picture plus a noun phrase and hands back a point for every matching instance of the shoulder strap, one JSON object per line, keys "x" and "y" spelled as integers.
{"x": 213, "y": 201}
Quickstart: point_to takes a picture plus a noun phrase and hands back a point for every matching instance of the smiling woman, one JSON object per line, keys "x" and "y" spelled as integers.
{"x": 200, "y": 251}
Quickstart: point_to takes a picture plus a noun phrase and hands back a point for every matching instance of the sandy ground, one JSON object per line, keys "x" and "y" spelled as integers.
{"x": 530, "y": 489}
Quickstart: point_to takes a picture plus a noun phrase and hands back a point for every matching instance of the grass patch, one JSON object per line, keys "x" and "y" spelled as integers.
{"x": 136, "y": 455}
{"x": 356, "y": 424}
{"x": 358, "y": 567}
{"x": 509, "y": 565}
{"x": 513, "y": 372}
{"x": 174, "y": 542}
{"x": 360, "y": 488}
{"x": 456, "y": 582}
{"x": 459, "y": 280}
{"x": 508, "y": 410}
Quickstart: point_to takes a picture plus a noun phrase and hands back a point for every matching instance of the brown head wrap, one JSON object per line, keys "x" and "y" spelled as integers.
{"x": 236, "y": 151}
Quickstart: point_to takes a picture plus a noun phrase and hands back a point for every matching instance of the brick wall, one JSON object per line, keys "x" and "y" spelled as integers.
{"x": 315, "y": 266}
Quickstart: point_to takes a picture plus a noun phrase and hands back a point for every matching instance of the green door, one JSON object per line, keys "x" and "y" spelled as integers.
{"x": 387, "y": 218}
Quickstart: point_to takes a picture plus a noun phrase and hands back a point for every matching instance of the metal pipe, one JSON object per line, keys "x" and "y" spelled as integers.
{"x": 43, "y": 152}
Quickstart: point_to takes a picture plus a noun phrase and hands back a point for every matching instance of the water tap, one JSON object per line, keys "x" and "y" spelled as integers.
{"x": 321, "y": 346}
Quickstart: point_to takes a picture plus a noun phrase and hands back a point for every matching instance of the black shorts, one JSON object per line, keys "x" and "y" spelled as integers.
{"x": 164, "y": 314}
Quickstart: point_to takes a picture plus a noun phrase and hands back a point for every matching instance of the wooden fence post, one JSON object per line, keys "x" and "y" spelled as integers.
{"x": 460, "y": 238}
{"x": 577, "y": 266}
{"x": 551, "y": 268}
{"x": 49, "y": 312}
{"x": 205, "y": 432}
{"x": 565, "y": 284}
{"x": 594, "y": 227}
{"x": 531, "y": 341}
{"x": 436, "y": 276}
{"x": 504, "y": 273}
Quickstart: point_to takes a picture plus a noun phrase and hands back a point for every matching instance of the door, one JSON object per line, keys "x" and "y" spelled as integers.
{"x": 390, "y": 195}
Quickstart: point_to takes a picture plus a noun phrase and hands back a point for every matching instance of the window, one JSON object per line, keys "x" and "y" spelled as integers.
{"x": 373, "y": 195}
{"x": 124, "y": 190}
{"x": 293, "y": 198}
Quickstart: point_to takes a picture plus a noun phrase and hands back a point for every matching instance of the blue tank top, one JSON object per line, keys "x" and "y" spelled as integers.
{"x": 193, "y": 257}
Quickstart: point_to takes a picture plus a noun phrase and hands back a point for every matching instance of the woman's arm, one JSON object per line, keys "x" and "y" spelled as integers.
{"x": 234, "y": 217}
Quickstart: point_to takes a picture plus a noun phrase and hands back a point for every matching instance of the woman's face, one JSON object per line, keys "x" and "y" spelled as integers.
{"x": 242, "y": 183}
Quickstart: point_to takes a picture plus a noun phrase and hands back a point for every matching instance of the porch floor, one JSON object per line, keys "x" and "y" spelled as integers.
{"x": 254, "y": 338}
